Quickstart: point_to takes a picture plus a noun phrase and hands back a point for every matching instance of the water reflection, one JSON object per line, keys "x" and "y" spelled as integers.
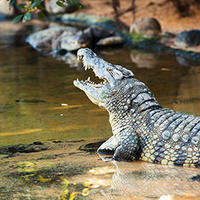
{"x": 140, "y": 180}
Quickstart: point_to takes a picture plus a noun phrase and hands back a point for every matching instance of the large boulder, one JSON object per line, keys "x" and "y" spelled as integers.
{"x": 43, "y": 40}
{"x": 149, "y": 27}
{"x": 70, "y": 42}
{"x": 188, "y": 38}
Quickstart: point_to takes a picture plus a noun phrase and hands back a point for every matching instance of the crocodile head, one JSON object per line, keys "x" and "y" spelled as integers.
{"x": 113, "y": 76}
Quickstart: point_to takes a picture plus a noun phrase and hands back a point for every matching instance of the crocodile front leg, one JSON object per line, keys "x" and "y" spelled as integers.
{"x": 128, "y": 145}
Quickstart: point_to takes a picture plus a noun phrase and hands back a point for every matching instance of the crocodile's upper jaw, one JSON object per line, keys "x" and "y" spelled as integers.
{"x": 112, "y": 75}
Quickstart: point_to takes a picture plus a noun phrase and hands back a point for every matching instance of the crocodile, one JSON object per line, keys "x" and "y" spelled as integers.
{"x": 142, "y": 128}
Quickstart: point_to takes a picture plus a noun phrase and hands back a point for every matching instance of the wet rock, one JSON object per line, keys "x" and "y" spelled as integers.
{"x": 188, "y": 38}
{"x": 58, "y": 40}
{"x": 147, "y": 26}
{"x": 42, "y": 40}
{"x": 110, "y": 41}
{"x": 70, "y": 42}
{"x": 23, "y": 148}
{"x": 52, "y": 8}
{"x": 85, "y": 20}
{"x": 96, "y": 33}
{"x": 91, "y": 147}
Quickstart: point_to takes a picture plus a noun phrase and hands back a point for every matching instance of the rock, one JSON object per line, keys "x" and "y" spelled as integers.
{"x": 188, "y": 38}
{"x": 42, "y": 40}
{"x": 23, "y": 148}
{"x": 85, "y": 20}
{"x": 109, "y": 41}
{"x": 80, "y": 39}
{"x": 52, "y": 8}
{"x": 5, "y": 10}
{"x": 70, "y": 42}
{"x": 147, "y": 26}
{"x": 96, "y": 33}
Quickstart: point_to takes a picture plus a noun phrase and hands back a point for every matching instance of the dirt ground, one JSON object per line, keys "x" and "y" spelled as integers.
{"x": 162, "y": 10}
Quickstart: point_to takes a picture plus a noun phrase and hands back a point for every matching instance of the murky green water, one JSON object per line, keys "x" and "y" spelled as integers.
{"x": 38, "y": 102}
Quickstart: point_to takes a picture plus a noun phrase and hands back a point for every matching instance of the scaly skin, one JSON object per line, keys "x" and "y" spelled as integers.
{"x": 142, "y": 129}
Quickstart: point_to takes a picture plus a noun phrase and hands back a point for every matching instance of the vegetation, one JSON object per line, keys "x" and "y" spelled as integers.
{"x": 26, "y": 10}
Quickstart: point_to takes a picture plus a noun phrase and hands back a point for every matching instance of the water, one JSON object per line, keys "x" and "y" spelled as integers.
{"x": 38, "y": 102}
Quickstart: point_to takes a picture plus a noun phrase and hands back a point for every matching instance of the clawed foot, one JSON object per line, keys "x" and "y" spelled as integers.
{"x": 123, "y": 154}
{"x": 108, "y": 147}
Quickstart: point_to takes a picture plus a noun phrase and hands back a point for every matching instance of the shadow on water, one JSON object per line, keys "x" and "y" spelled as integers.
{"x": 38, "y": 102}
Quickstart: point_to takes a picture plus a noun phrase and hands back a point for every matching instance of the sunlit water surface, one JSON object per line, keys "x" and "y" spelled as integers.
{"x": 38, "y": 102}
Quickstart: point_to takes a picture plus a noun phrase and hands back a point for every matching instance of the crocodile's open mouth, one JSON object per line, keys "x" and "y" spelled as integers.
{"x": 88, "y": 82}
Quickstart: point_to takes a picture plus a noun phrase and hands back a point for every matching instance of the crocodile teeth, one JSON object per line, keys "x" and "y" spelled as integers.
{"x": 79, "y": 57}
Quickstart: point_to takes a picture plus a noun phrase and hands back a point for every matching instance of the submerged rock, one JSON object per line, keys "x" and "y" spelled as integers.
{"x": 188, "y": 38}
{"x": 147, "y": 26}
{"x": 23, "y": 148}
